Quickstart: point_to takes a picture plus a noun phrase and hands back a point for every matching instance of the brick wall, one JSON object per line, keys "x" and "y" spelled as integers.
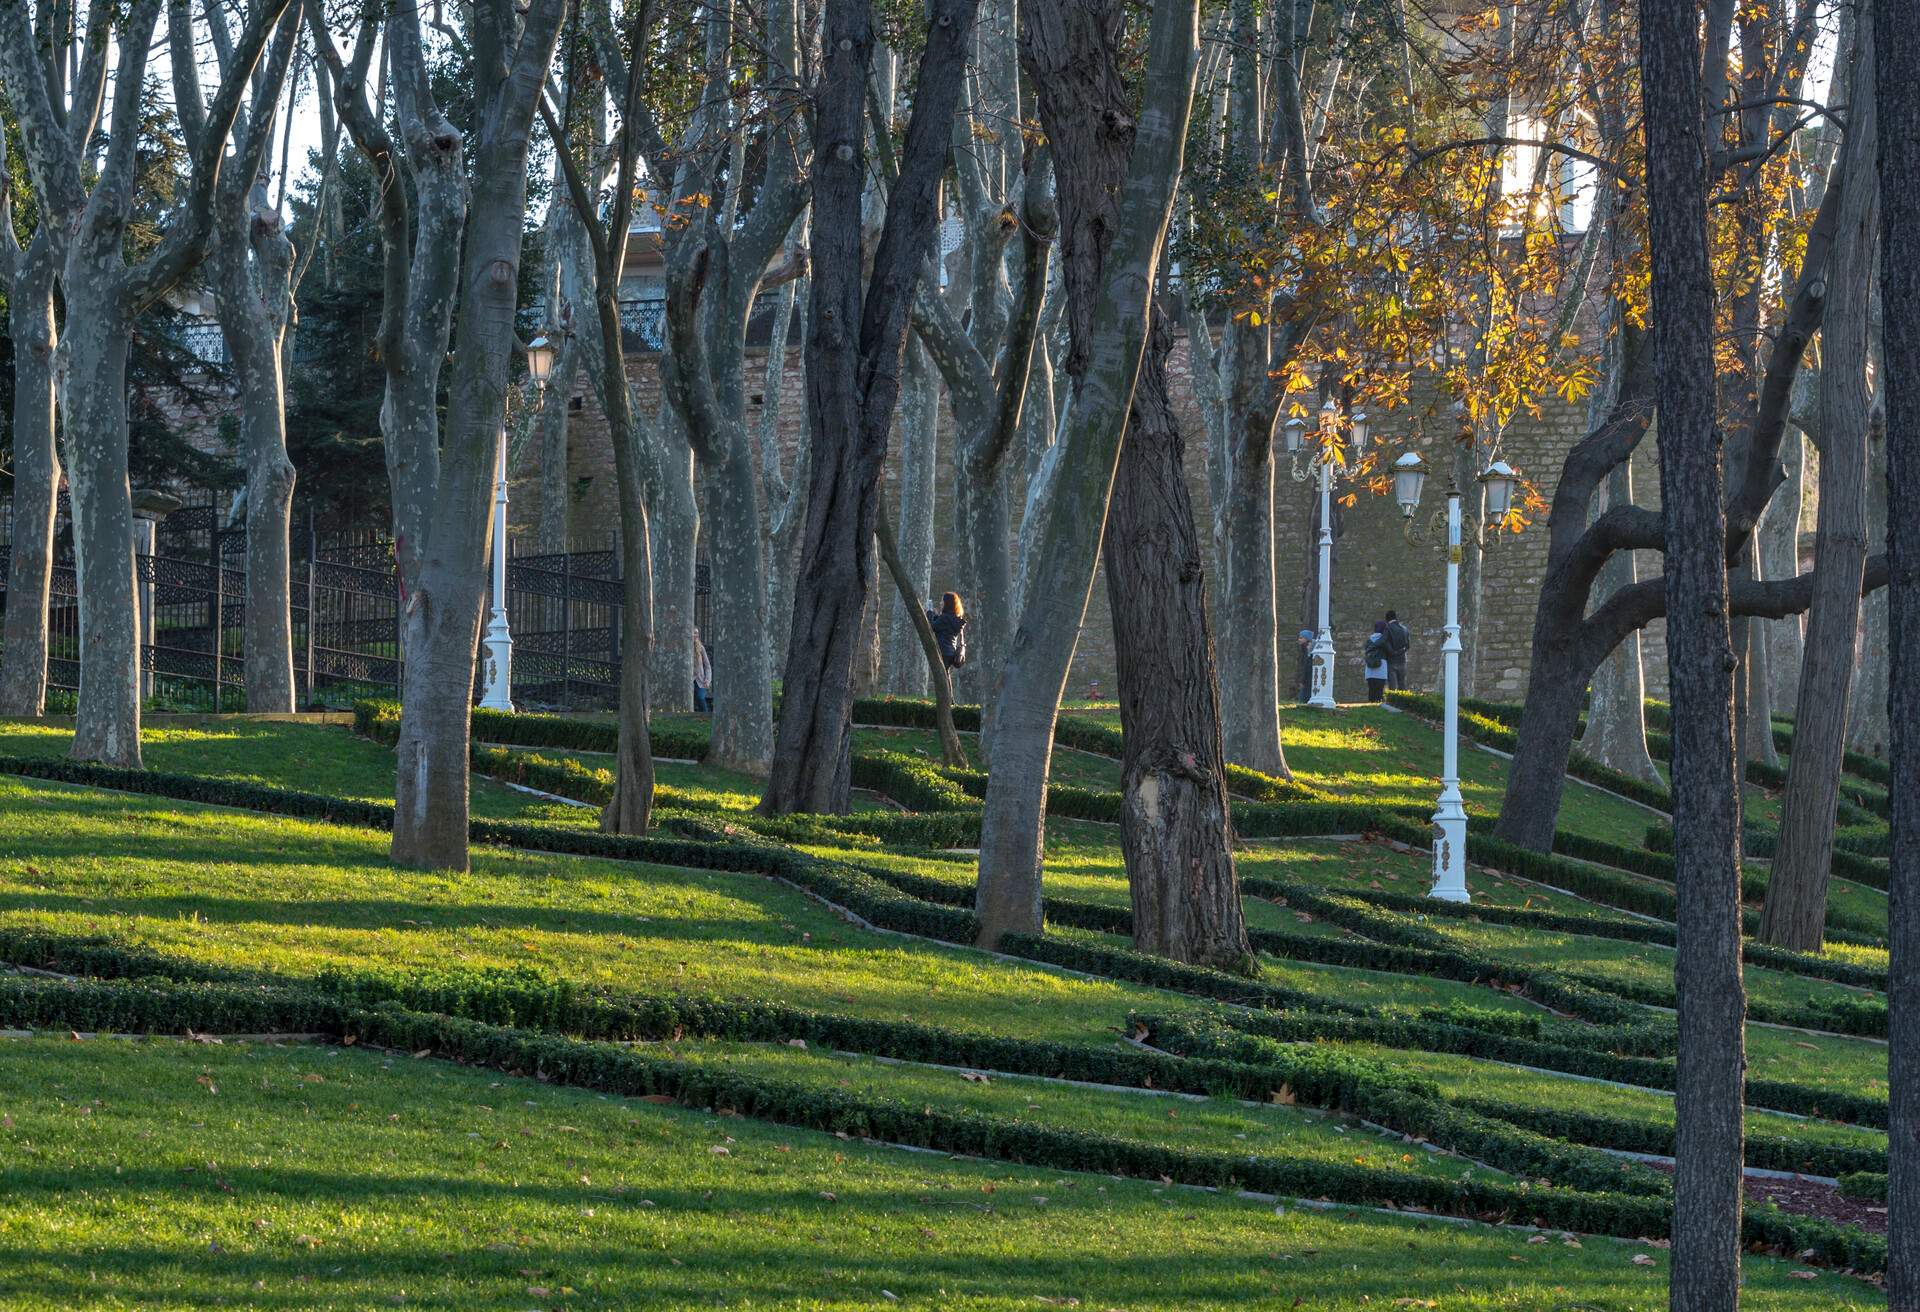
{"x": 1374, "y": 568}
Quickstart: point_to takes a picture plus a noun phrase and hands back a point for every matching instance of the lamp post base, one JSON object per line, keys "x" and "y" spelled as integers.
{"x": 1321, "y": 694}
{"x": 499, "y": 645}
{"x": 1450, "y": 848}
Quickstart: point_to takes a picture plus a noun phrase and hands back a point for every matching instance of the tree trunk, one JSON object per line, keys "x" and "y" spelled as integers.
{"x": 36, "y": 485}
{"x": 1898, "y": 94}
{"x": 252, "y": 266}
{"x": 1796, "y": 907}
{"x": 1174, "y": 828}
{"x": 1251, "y": 681}
{"x": 907, "y": 673}
{"x": 1712, "y": 1003}
{"x": 1868, "y": 727}
{"x": 674, "y": 525}
{"x": 742, "y": 663}
{"x": 630, "y": 808}
{"x": 94, "y": 417}
{"x": 442, "y": 626}
{"x": 1549, "y": 719}
{"x": 855, "y": 340}
{"x": 924, "y": 642}
{"x": 1111, "y": 240}
{"x": 1780, "y": 558}
{"x": 1616, "y": 733}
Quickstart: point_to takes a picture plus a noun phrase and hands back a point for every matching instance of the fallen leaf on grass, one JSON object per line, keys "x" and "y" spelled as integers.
{"x": 1641, "y": 1259}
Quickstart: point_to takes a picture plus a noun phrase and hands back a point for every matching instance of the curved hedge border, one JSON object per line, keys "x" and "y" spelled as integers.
{"x": 150, "y": 1007}
{"x": 1848, "y": 864}
{"x": 1460, "y": 1040}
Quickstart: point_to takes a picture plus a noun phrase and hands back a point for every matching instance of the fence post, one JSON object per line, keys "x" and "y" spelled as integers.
{"x": 219, "y": 579}
{"x": 312, "y": 607}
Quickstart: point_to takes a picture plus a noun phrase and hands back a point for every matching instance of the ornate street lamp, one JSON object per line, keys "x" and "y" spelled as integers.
{"x": 499, "y": 639}
{"x": 1327, "y": 462}
{"x": 1450, "y": 812}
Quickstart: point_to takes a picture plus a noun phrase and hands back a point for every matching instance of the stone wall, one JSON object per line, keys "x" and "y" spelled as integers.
{"x": 1374, "y": 567}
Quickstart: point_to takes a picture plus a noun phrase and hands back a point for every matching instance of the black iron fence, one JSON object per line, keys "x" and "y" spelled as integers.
{"x": 563, "y": 610}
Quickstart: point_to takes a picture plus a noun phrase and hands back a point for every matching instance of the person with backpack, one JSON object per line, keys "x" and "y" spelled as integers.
{"x": 950, "y": 630}
{"x": 1399, "y": 639}
{"x": 1375, "y": 659}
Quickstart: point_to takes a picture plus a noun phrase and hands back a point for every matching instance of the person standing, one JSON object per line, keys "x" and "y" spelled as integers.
{"x": 702, "y": 676}
{"x": 1305, "y": 673}
{"x": 1375, "y": 657}
{"x": 1399, "y": 639}
{"x": 950, "y": 629}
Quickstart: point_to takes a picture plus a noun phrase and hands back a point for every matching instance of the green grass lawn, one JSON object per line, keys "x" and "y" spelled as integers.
{"x": 257, "y": 1175}
{"x": 172, "y": 1176}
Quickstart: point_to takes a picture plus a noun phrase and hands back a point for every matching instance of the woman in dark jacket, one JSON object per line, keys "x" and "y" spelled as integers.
{"x": 950, "y": 628}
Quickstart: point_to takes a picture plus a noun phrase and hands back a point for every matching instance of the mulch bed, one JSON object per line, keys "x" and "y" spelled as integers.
{"x": 1804, "y": 1197}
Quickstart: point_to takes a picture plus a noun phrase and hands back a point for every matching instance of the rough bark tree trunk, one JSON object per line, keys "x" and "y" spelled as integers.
{"x": 855, "y": 342}
{"x": 675, "y": 525}
{"x": 1712, "y": 1004}
{"x": 1111, "y": 241}
{"x": 1898, "y": 94}
{"x": 36, "y": 483}
{"x": 952, "y": 753}
{"x": 1796, "y": 906}
{"x": 1174, "y": 827}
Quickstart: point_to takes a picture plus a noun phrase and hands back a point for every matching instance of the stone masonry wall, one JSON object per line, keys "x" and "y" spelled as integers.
{"x": 1374, "y": 568}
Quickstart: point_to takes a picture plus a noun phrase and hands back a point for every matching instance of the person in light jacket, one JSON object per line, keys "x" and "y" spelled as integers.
{"x": 1376, "y": 658}
{"x": 702, "y": 676}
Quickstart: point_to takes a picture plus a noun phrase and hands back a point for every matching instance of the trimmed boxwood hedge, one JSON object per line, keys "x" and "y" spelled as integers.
{"x": 1867, "y": 1186}
{"x": 155, "y": 1007}
{"x": 1845, "y": 862}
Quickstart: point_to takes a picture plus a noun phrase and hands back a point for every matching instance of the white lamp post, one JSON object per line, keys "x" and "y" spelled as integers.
{"x": 1321, "y": 690}
{"x": 1450, "y": 812}
{"x": 499, "y": 639}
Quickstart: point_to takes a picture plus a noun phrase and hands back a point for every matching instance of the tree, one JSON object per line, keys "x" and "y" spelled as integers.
{"x": 636, "y": 462}
{"x": 251, "y": 262}
{"x": 1897, "y": 91}
{"x": 856, "y": 339}
{"x": 29, "y": 277}
{"x": 103, "y": 293}
{"x": 447, "y": 240}
{"x": 1711, "y": 1063}
{"x": 1111, "y": 241}
{"x": 717, "y": 250}
{"x": 1795, "y": 913}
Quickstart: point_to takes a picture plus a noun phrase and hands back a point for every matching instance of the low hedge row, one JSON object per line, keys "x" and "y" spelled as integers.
{"x": 1765, "y": 1226}
{"x": 1593, "y": 925}
{"x": 1440, "y": 1036}
{"x": 164, "y": 1008}
{"x": 1867, "y": 1186}
{"x": 1848, "y": 863}
{"x": 1499, "y": 735}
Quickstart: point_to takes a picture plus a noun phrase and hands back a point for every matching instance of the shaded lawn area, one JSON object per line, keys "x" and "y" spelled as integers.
{"x": 259, "y": 1176}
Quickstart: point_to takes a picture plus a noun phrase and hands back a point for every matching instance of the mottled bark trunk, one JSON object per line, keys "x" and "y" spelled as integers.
{"x": 1251, "y": 677}
{"x": 1174, "y": 831}
{"x": 36, "y": 486}
{"x": 1616, "y": 734}
{"x": 742, "y": 661}
{"x": 94, "y": 416}
{"x": 1780, "y": 555}
{"x": 630, "y": 808}
{"x": 907, "y": 673}
{"x": 1712, "y": 1003}
{"x": 1868, "y": 727}
{"x": 1112, "y": 233}
{"x": 1796, "y": 906}
{"x": 674, "y": 524}
{"x": 252, "y": 266}
{"x": 442, "y": 626}
{"x": 1898, "y": 93}
{"x": 1549, "y": 719}
{"x": 924, "y": 643}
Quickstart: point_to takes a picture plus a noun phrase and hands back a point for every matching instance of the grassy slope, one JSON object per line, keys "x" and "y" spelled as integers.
{"x": 330, "y": 1179}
